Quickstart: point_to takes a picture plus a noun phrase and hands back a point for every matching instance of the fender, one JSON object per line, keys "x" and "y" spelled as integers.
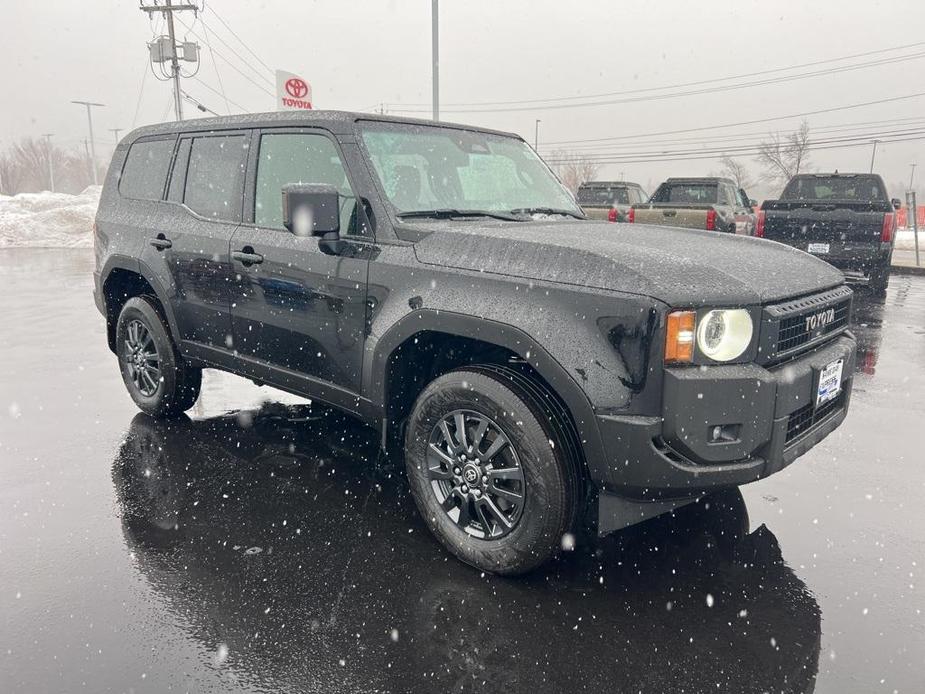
{"x": 124, "y": 262}
{"x": 495, "y": 333}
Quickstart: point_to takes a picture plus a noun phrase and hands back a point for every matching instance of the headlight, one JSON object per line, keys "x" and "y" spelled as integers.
{"x": 724, "y": 334}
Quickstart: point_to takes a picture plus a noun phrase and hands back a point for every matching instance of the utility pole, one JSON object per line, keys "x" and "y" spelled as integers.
{"x": 872, "y": 155}
{"x": 51, "y": 163}
{"x": 168, "y": 9}
{"x": 912, "y": 175}
{"x": 115, "y": 132}
{"x": 435, "y": 57}
{"x": 536, "y": 135}
{"x": 92, "y": 153}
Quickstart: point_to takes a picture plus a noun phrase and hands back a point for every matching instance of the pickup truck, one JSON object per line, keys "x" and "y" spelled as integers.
{"x": 714, "y": 204}
{"x": 848, "y": 220}
{"x": 610, "y": 200}
{"x": 540, "y": 376}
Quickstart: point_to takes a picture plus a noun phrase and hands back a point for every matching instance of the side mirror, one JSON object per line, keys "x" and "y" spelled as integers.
{"x": 311, "y": 210}
{"x": 897, "y": 203}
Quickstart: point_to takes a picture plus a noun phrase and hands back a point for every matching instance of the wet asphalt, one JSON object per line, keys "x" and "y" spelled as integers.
{"x": 262, "y": 545}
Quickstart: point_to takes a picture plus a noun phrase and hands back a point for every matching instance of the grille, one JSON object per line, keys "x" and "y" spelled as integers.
{"x": 807, "y": 417}
{"x": 792, "y": 332}
{"x": 789, "y": 327}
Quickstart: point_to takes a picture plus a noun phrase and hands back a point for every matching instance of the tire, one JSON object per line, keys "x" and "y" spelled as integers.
{"x": 498, "y": 533}
{"x": 162, "y": 385}
{"x": 878, "y": 280}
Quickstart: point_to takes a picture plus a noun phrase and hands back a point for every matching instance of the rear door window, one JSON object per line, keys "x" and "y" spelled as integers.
{"x": 215, "y": 176}
{"x": 145, "y": 172}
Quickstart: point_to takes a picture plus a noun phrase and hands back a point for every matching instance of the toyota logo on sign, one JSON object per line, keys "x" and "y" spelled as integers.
{"x": 296, "y": 88}
{"x": 292, "y": 91}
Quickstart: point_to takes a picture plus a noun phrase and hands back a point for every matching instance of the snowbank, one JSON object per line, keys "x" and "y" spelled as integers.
{"x": 905, "y": 239}
{"x": 48, "y": 220}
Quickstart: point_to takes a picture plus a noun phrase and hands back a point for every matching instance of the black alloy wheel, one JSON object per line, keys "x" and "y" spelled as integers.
{"x": 475, "y": 474}
{"x": 492, "y": 469}
{"x": 141, "y": 358}
{"x": 156, "y": 376}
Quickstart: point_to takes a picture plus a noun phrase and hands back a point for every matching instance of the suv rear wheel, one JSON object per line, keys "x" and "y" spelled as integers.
{"x": 488, "y": 471}
{"x": 160, "y": 382}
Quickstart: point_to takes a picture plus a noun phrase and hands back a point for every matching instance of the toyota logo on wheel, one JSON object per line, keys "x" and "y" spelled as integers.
{"x": 296, "y": 88}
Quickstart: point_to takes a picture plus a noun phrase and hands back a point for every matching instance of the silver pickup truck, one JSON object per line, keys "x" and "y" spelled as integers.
{"x": 715, "y": 204}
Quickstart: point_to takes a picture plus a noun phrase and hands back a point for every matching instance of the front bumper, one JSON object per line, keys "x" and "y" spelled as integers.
{"x": 770, "y": 412}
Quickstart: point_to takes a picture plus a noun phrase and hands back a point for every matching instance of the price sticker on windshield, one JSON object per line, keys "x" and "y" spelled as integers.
{"x": 829, "y": 382}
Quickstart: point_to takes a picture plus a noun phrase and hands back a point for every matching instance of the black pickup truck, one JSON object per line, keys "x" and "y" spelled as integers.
{"x": 846, "y": 219}
{"x": 537, "y": 373}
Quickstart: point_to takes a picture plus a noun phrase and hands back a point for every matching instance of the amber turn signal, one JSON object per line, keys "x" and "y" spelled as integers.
{"x": 679, "y": 339}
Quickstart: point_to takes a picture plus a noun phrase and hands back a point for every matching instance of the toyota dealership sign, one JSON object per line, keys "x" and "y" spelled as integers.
{"x": 292, "y": 92}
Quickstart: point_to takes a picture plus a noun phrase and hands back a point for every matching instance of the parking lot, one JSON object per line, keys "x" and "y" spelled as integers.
{"x": 271, "y": 549}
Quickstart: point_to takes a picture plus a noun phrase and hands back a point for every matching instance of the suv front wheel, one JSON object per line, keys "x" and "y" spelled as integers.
{"x": 160, "y": 382}
{"x": 489, "y": 471}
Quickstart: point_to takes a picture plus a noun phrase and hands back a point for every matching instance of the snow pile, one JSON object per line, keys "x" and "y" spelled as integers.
{"x": 905, "y": 239}
{"x": 48, "y": 220}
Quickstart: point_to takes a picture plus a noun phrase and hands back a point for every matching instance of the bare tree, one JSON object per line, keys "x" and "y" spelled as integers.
{"x": 27, "y": 165}
{"x": 737, "y": 171}
{"x": 783, "y": 157}
{"x": 573, "y": 168}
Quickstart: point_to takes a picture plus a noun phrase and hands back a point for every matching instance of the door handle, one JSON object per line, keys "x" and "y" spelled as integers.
{"x": 160, "y": 242}
{"x": 246, "y": 256}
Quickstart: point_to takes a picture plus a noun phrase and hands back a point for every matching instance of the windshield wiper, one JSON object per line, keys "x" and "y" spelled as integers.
{"x": 450, "y": 213}
{"x": 547, "y": 210}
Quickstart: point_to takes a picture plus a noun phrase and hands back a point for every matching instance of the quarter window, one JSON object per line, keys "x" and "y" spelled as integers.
{"x": 213, "y": 180}
{"x": 145, "y": 170}
{"x": 299, "y": 158}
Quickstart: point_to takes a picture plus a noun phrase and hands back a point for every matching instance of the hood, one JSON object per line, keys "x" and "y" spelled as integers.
{"x": 682, "y": 267}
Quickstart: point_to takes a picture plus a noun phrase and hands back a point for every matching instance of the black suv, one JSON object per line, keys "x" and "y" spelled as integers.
{"x": 540, "y": 373}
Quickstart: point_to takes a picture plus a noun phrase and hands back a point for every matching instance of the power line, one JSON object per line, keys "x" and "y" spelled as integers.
{"x": 240, "y": 40}
{"x": 740, "y": 123}
{"x": 229, "y": 63}
{"x": 215, "y": 65}
{"x": 218, "y": 93}
{"x": 735, "y": 138}
{"x": 684, "y": 84}
{"x": 676, "y": 95}
{"x": 699, "y": 155}
{"x": 750, "y": 146}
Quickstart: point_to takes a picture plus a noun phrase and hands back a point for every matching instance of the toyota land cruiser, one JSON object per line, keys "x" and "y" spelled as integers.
{"x": 538, "y": 371}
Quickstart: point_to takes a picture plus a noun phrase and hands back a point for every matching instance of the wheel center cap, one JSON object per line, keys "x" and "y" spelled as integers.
{"x": 471, "y": 473}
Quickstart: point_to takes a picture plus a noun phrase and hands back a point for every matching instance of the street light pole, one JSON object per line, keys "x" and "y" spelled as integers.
{"x": 435, "y": 57}
{"x": 51, "y": 163}
{"x": 536, "y": 135}
{"x": 89, "y": 104}
{"x": 872, "y": 155}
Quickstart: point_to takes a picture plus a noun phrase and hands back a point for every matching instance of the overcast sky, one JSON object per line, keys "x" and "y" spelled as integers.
{"x": 360, "y": 55}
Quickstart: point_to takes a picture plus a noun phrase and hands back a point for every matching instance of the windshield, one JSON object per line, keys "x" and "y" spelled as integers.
{"x": 835, "y": 188}
{"x": 603, "y": 196}
{"x": 435, "y": 168}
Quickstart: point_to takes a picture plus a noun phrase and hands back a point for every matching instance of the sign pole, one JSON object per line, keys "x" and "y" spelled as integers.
{"x": 435, "y": 57}
{"x": 915, "y": 225}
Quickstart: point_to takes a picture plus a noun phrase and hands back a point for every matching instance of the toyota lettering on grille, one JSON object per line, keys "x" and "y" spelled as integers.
{"x": 820, "y": 320}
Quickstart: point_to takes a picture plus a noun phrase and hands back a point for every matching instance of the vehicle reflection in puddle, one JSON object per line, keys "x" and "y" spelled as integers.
{"x": 282, "y": 543}
{"x": 866, "y": 324}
